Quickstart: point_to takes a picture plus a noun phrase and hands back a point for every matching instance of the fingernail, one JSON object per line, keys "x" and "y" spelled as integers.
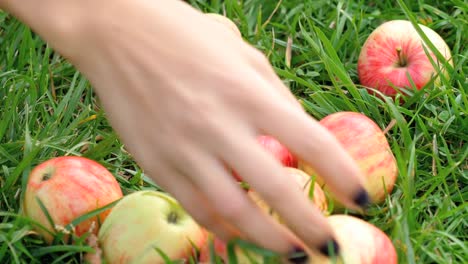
{"x": 362, "y": 198}
{"x": 330, "y": 248}
{"x": 298, "y": 255}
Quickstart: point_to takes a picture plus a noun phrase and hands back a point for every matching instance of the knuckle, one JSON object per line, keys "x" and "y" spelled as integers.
{"x": 200, "y": 117}
{"x": 234, "y": 210}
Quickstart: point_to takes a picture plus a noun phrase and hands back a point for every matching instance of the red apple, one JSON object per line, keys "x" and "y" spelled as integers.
{"x": 145, "y": 221}
{"x": 394, "y": 50}
{"x": 226, "y": 22}
{"x": 366, "y": 143}
{"x": 69, "y": 187}
{"x": 360, "y": 243}
{"x": 278, "y": 150}
{"x": 281, "y": 153}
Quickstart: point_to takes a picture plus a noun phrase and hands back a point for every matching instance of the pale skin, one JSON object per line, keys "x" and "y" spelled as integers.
{"x": 187, "y": 97}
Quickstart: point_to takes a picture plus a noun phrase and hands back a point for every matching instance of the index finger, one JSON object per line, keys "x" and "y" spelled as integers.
{"x": 314, "y": 144}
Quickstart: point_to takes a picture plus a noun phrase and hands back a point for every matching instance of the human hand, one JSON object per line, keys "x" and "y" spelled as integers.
{"x": 187, "y": 97}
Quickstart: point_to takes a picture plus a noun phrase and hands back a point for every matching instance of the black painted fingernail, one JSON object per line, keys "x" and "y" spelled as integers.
{"x": 330, "y": 248}
{"x": 298, "y": 255}
{"x": 362, "y": 199}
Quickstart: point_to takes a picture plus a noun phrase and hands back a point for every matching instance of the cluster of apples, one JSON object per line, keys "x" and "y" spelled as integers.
{"x": 129, "y": 228}
{"x": 147, "y": 226}
{"x": 151, "y": 226}
{"x": 360, "y": 241}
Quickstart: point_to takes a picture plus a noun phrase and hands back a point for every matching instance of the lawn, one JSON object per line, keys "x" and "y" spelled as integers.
{"x": 48, "y": 109}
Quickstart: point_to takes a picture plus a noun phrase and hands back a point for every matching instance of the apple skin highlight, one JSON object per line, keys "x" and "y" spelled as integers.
{"x": 394, "y": 50}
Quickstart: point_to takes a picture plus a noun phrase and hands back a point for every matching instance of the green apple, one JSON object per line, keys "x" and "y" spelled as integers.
{"x": 144, "y": 224}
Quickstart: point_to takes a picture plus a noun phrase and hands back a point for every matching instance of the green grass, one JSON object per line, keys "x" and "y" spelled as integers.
{"x": 48, "y": 109}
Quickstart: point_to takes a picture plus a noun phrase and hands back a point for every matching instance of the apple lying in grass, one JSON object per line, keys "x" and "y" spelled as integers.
{"x": 226, "y": 22}
{"x": 360, "y": 243}
{"x": 393, "y": 51}
{"x": 278, "y": 150}
{"x": 69, "y": 187}
{"x": 362, "y": 138}
{"x": 147, "y": 221}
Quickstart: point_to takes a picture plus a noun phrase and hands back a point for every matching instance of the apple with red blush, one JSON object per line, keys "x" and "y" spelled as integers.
{"x": 366, "y": 143}
{"x": 394, "y": 51}
{"x": 69, "y": 187}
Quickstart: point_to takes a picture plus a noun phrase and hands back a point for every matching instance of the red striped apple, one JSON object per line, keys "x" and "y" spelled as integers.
{"x": 360, "y": 243}
{"x": 145, "y": 221}
{"x": 225, "y": 21}
{"x": 393, "y": 51}
{"x": 362, "y": 138}
{"x": 69, "y": 187}
{"x": 278, "y": 150}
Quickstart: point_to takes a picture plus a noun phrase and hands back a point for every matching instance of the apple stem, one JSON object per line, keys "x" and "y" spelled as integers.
{"x": 46, "y": 176}
{"x": 401, "y": 59}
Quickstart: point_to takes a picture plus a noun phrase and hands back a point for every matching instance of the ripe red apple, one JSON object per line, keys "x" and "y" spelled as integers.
{"x": 281, "y": 153}
{"x": 395, "y": 49}
{"x": 360, "y": 243}
{"x": 226, "y": 22}
{"x": 278, "y": 150}
{"x": 366, "y": 143}
{"x": 69, "y": 187}
{"x": 146, "y": 220}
